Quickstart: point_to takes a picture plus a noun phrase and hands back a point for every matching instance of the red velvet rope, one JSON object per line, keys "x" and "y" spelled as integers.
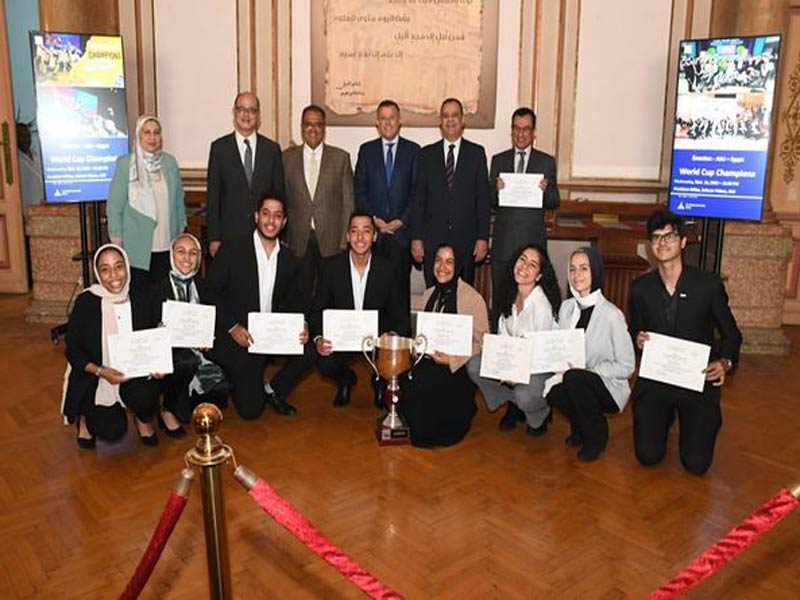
{"x": 301, "y": 528}
{"x": 169, "y": 518}
{"x": 738, "y": 539}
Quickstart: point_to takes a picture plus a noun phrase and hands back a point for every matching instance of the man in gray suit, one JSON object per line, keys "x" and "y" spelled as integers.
{"x": 319, "y": 190}
{"x": 514, "y": 227}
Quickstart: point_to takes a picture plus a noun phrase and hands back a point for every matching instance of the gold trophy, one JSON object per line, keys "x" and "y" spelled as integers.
{"x": 394, "y": 359}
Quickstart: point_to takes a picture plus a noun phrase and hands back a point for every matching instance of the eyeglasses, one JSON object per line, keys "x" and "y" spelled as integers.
{"x": 668, "y": 238}
{"x": 526, "y": 129}
{"x": 246, "y": 110}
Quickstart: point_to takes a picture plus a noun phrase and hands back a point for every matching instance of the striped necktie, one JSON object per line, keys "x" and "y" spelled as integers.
{"x": 449, "y": 168}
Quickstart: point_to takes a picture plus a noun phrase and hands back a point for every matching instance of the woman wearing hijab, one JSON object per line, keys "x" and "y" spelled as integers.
{"x": 194, "y": 378}
{"x": 584, "y": 395}
{"x": 145, "y": 206}
{"x": 528, "y": 301}
{"x": 96, "y": 395}
{"x": 438, "y": 401}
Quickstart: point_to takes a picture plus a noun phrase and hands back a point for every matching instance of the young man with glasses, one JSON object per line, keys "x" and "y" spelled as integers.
{"x": 680, "y": 301}
{"x": 319, "y": 190}
{"x": 243, "y": 167}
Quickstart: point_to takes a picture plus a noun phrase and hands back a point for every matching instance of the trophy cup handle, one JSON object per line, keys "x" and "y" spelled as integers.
{"x": 420, "y": 346}
{"x": 368, "y": 345}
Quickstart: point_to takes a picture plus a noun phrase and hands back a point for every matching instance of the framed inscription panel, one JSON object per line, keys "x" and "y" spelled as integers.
{"x": 416, "y": 52}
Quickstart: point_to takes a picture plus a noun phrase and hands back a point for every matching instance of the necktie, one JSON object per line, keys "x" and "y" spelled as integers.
{"x": 521, "y": 162}
{"x": 313, "y": 173}
{"x": 248, "y": 163}
{"x": 388, "y": 166}
{"x": 449, "y": 168}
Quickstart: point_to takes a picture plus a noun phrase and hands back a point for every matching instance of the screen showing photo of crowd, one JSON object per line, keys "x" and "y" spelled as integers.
{"x": 724, "y": 86}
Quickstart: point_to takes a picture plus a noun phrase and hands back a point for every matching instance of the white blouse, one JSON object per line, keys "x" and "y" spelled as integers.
{"x": 536, "y": 315}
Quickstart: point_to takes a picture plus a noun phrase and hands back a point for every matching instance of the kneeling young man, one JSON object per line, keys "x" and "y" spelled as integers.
{"x": 683, "y": 302}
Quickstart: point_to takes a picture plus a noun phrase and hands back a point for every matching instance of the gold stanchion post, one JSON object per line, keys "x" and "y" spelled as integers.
{"x": 208, "y": 454}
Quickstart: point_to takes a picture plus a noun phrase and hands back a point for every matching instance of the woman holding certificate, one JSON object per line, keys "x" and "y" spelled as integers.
{"x": 195, "y": 379}
{"x": 439, "y": 401}
{"x": 145, "y": 206}
{"x": 528, "y": 301}
{"x": 96, "y": 396}
{"x": 584, "y": 395}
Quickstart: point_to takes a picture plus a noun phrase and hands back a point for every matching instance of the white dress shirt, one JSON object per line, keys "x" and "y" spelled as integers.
{"x": 526, "y": 158}
{"x": 457, "y": 145}
{"x": 307, "y": 153}
{"x": 359, "y": 283}
{"x": 253, "y": 137}
{"x": 267, "y": 269}
{"x": 536, "y": 315}
{"x": 394, "y": 148}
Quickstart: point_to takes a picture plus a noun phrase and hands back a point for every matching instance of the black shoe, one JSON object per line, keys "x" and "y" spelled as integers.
{"x": 511, "y": 418}
{"x": 84, "y": 443}
{"x": 343, "y": 395}
{"x": 574, "y": 439}
{"x": 149, "y": 440}
{"x": 279, "y": 405}
{"x": 541, "y": 429}
{"x": 589, "y": 454}
{"x": 178, "y": 432}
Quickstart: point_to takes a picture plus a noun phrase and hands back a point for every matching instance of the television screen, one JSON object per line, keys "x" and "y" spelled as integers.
{"x": 81, "y": 113}
{"x": 725, "y": 93}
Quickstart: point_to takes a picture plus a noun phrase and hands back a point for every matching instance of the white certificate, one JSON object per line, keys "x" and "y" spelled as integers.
{"x": 674, "y": 361}
{"x": 521, "y": 190}
{"x": 190, "y": 325}
{"x": 506, "y": 358}
{"x": 557, "y": 350}
{"x": 141, "y": 353}
{"x": 275, "y": 333}
{"x": 346, "y": 329}
{"x": 445, "y": 332}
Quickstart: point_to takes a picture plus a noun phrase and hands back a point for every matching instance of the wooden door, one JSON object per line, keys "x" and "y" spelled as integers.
{"x": 13, "y": 274}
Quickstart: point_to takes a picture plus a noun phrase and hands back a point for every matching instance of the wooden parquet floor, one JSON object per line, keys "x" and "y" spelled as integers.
{"x": 498, "y": 516}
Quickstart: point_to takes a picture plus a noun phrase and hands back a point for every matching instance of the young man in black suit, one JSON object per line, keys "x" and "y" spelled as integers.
{"x": 356, "y": 279}
{"x": 451, "y": 201}
{"x": 515, "y": 227}
{"x": 243, "y": 167}
{"x": 256, "y": 273}
{"x": 384, "y": 187}
{"x": 684, "y": 302}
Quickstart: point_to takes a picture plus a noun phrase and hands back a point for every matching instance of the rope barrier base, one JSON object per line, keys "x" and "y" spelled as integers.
{"x": 293, "y": 521}
{"x": 735, "y": 542}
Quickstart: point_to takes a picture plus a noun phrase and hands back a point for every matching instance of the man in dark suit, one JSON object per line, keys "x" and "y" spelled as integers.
{"x": 356, "y": 279}
{"x": 319, "y": 187}
{"x": 384, "y": 187}
{"x": 451, "y": 201}
{"x": 243, "y": 167}
{"x": 683, "y": 302}
{"x": 255, "y": 273}
{"x": 515, "y": 227}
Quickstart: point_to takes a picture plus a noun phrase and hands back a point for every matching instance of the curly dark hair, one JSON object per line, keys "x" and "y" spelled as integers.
{"x": 508, "y": 290}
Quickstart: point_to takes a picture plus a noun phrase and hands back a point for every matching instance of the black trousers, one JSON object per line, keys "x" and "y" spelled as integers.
{"x": 336, "y": 367}
{"x": 142, "y": 281}
{"x": 400, "y": 254}
{"x": 245, "y": 371}
{"x": 176, "y": 385}
{"x": 110, "y": 423}
{"x": 655, "y": 406}
{"x": 583, "y": 399}
{"x": 310, "y": 262}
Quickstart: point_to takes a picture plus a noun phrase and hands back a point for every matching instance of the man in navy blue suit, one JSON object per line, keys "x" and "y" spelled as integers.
{"x": 384, "y": 187}
{"x": 451, "y": 199}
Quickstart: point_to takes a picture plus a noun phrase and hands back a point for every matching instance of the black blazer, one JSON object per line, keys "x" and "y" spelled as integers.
{"x": 515, "y": 227}
{"x": 230, "y": 204}
{"x": 84, "y": 345}
{"x": 335, "y": 290}
{"x": 459, "y": 217}
{"x": 232, "y": 284}
{"x": 702, "y": 307}
{"x": 374, "y": 196}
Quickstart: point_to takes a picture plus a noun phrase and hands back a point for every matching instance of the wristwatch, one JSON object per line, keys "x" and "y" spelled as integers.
{"x": 728, "y": 364}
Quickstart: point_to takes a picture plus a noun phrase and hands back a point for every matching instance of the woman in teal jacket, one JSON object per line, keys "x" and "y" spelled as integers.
{"x": 145, "y": 206}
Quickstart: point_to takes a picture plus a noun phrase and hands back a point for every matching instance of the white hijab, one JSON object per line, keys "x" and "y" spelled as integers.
{"x": 177, "y": 278}
{"x": 144, "y": 167}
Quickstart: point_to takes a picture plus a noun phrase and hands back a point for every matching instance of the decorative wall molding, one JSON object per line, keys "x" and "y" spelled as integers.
{"x": 790, "y": 146}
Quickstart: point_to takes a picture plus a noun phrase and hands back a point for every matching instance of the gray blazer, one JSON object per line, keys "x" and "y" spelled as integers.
{"x": 609, "y": 349}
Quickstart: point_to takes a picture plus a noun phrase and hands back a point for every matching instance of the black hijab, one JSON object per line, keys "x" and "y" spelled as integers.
{"x": 443, "y": 298}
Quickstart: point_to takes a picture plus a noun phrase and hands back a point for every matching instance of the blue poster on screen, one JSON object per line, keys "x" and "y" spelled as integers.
{"x": 81, "y": 113}
{"x": 725, "y": 95}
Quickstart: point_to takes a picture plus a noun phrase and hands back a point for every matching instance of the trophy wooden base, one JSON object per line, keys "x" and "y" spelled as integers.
{"x": 392, "y": 436}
